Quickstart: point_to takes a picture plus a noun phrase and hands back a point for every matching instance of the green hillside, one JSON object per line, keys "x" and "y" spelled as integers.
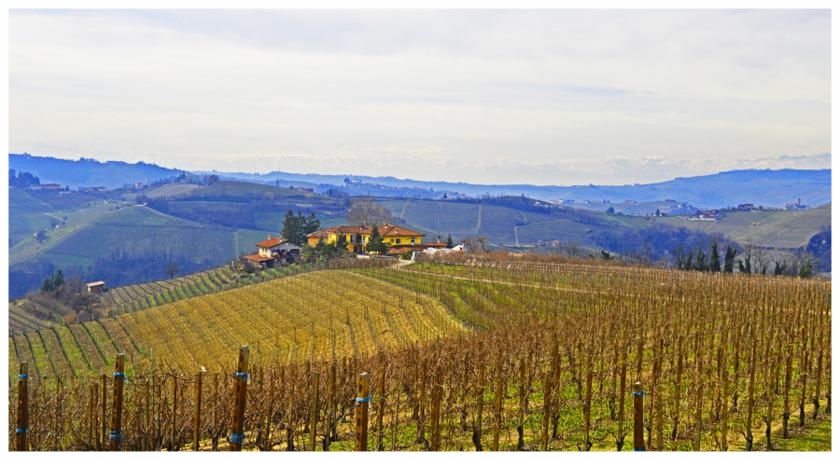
{"x": 775, "y": 229}
{"x": 128, "y": 245}
{"x": 506, "y": 224}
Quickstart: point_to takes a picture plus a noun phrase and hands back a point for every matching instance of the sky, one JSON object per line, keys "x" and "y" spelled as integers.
{"x": 556, "y": 97}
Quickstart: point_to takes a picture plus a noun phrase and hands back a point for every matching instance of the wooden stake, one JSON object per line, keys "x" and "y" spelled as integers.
{"x": 313, "y": 413}
{"x": 22, "y": 408}
{"x": 381, "y": 412}
{"x": 437, "y": 394}
{"x": 361, "y": 411}
{"x": 115, "y": 437}
{"x": 103, "y": 434}
{"x": 173, "y": 442}
{"x": 240, "y": 389}
{"x": 638, "y": 418}
{"x": 197, "y": 415}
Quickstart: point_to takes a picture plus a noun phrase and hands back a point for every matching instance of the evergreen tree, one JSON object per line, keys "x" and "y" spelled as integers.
{"x": 376, "y": 245}
{"x": 701, "y": 261}
{"x": 289, "y": 231}
{"x": 341, "y": 243}
{"x": 729, "y": 259}
{"x": 449, "y": 243}
{"x": 311, "y": 224}
{"x": 714, "y": 264}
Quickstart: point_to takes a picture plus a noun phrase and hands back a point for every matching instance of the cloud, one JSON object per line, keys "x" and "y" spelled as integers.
{"x": 501, "y": 95}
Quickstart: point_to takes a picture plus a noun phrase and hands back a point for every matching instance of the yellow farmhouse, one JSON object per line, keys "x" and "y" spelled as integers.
{"x": 398, "y": 239}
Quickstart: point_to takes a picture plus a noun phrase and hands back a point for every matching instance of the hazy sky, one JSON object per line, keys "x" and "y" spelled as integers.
{"x": 504, "y": 96}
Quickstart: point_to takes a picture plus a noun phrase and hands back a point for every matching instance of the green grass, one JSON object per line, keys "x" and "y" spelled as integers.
{"x": 777, "y": 229}
{"x": 79, "y": 219}
{"x": 814, "y": 438}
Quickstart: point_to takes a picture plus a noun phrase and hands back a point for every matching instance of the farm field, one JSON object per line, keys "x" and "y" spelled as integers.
{"x": 773, "y": 229}
{"x": 308, "y": 316}
{"x": 490, "y": 355}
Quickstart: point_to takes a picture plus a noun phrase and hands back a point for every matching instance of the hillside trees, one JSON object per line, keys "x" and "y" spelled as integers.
{"x": 296, "y": 227}
{"x": 22, "y": 179}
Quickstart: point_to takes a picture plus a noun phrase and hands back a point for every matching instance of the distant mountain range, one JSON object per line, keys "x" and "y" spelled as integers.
{"x": 89, "y": 173}
{"x": 769, "y": 188}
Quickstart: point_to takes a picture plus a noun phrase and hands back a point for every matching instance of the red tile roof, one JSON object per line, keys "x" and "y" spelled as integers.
{"x": 257, "y": 258}
{"x": 271, "y": 242}
{"x": 384, "y": 230}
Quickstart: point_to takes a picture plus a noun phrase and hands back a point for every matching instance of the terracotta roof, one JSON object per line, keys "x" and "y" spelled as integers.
{"x": 399, "y": 249}
{"x": 257, "y": 258}
{"x": 395, "y": 230}
{"x": 384, "y": 230}
{"x": 271, "y": 242}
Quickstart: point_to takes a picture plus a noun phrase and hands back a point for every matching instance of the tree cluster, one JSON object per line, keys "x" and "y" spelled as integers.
{"x": 22, "y": 179}
{"x": 296, "y": 227}
{"x": 698, "y": 260}
{"x": 68, "y": 292}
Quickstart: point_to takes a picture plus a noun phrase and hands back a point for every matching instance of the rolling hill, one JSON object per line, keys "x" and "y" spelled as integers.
{"x": 508, "y": 222}
{"x": 89, "y": 173}
{"x": 123, "y": 245}
{"x": 289, "y": 319}
{"x": 770, "y": 228}
{"x": 768, "y": 188}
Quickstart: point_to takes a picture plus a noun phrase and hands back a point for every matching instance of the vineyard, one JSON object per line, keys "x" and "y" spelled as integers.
{"x": 490, "y": 355}
{"x": 136, "y": 297}
{"x": 32, "y": 313}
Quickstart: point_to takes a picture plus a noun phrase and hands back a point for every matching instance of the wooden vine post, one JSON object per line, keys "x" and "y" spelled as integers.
{"x": 240, "y": 389}
{"x": 361, "y": 411}
{"x": 638, "y": 418}
{"x": 313, "y": 414}
{"x": 22, "y": 408}
{"x": 115, "y": 437}
{"x": 437, "y": 395}
{"x": 104, "y": 415}
{"x": 197, "y": 416}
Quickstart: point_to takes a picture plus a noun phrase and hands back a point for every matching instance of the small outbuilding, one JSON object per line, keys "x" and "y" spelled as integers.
{"x": 95, "y": 287}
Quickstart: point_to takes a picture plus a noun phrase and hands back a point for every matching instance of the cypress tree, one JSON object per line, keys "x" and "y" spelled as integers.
{"x": 290, "y": 230}
{"x": 714, "y": 264}
{"x": 729, "y": 259}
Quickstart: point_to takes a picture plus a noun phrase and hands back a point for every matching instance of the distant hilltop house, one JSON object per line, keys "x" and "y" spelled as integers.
{"x": 796, "y": 205}
{"x": 706, "y": 216}
{"x": 399, "y": 240}
{"x": 273, "y": 251}
{"x": 95, "y": 287}
{"x": 50, "y": 187}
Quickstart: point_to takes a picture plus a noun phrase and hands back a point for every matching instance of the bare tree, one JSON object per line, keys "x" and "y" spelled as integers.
{"x": 364, "y": 211}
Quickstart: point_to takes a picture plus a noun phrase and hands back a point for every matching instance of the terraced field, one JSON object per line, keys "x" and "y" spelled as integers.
{"x": 312, "y": 315}
{"x": 31, "y": 313}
